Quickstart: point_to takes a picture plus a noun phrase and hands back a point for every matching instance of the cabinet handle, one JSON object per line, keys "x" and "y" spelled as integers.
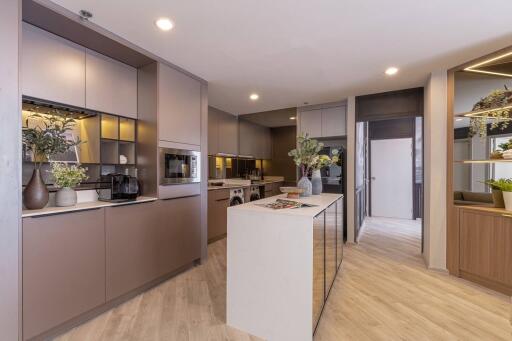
{"x": 226, "y": 199}
{"x": 65, "y": 212}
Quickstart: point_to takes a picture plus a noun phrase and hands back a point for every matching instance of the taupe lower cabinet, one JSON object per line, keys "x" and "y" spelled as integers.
{"x": 63, "y": 268}
{"x": 218, "y": 203}
{"x": 148, "y": 240}
{"x": 327, "y": 254}
{"x": 75, "y": 262}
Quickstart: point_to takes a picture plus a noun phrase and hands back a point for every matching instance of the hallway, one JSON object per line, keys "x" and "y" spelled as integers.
{"x": 384, "y": 292}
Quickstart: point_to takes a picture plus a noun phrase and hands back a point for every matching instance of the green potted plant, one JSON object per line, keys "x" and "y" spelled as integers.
{"x": 494, "y": 106}
{"x": 322, "y": 161}
{"x": 305, "y": 157}
{"x": 44, "y": 140}
{"x": 66, "y": 177}
{"x": 501, "y": 192}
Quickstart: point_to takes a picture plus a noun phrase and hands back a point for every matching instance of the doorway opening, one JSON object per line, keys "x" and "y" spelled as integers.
{"x": 389, "y": 175}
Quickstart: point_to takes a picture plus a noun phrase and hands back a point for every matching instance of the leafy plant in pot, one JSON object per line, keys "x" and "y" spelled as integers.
{"x": 66, "y": 177}
{"x": 44, "y": 140}
{"x": 503, "y": 187}
{"x": 323, "y": 161}
{"x": 306, "y": 157}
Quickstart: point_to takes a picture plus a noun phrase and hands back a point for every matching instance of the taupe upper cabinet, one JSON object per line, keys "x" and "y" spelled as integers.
{"x": 228, "y": 134}
{"x": 213, "y": 131}
{"x": 311, "y": 122}
{"x": 222, "y": 132}
{"x": 324, "y": 122}
{"x": 111, "y": 86}
{"x": 179, "y": 107}
{"x": 52, "y": 68}
{"x": 334, "y": 121}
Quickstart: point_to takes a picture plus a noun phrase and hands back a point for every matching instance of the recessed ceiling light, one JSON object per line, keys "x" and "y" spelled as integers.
{"x": 254, "y": 97}
{"x": 390, "y": 71}
{"x": 165, "y": 24}
{"x": 459, "y": 119}
{"x": 292, "y": 117}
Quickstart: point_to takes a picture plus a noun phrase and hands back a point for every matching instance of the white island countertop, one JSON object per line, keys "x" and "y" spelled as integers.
{"x": 321, "y": 202}
{"x": 273, "y": 265}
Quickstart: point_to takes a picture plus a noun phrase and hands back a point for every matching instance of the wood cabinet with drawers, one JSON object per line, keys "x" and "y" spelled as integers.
{"x": 485, "y": 247}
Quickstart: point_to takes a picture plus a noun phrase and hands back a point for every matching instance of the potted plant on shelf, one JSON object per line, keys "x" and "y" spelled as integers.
{"x": 66, "y": 177}
{"x": 501, "y": 192}
{"x": 497, "y": 107}
{"x": 322, "y": 161}
{"x": 45, "y": 139}
{"x": 305, "y": 157}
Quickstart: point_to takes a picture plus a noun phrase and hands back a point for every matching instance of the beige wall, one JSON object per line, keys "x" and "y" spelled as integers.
{"x": 10, "y": 170}
{"x": 435, "y": 130}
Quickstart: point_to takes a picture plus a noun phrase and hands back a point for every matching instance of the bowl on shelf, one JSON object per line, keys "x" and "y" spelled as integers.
{"x": 292, "y": 192}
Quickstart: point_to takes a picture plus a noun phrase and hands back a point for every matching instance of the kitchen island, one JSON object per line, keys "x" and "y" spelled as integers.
{"x": 281, "y": 265}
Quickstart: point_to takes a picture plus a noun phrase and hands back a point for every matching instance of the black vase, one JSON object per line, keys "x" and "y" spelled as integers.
{"x": 35, "y": 195}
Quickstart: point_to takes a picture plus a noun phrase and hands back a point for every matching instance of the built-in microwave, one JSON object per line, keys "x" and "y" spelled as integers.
{"x": 179, "y": 166}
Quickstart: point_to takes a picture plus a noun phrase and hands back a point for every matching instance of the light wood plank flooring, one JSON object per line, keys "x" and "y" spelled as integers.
{"x": 384, "y": 292}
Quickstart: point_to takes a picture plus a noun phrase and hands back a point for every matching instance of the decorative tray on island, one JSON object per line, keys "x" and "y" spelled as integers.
{"x": 283, "y": 203}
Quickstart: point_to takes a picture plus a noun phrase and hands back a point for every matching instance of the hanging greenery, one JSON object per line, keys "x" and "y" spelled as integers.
{"x": 500, "y": 117}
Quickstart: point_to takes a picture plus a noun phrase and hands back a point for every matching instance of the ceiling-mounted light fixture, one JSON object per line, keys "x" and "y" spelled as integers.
{"x": 390, "y": 71}
{"x": 165, "y": 24}
{"x": 254, "y": 97}
{"x": 293, "y": 118}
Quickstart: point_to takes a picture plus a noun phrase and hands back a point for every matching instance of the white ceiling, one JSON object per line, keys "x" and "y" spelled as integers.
{"x": 291, "y": 52}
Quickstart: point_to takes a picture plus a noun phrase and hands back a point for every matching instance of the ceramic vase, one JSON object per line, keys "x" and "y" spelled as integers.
{"x": 35, "y": 195}
{"x": 497, "y": 198}
{"x": 507, "y": 198}
{"x": 305, "y": 184}
{"x": 316, "y": 181}
{"x": 65, "y": 197}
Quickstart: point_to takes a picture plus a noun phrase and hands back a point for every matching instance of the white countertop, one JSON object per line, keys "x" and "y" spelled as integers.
{"x": 82, "y": 206}
{"x": 321, "y": 201}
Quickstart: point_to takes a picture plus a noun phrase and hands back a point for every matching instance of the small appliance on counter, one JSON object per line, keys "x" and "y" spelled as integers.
{"x": 118, "y": 188}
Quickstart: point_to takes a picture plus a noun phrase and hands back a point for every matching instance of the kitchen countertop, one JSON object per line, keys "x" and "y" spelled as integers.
{"x": 321, "y": 201}
{"x": 82, "y": 206}
{"x": 231, "y": 186}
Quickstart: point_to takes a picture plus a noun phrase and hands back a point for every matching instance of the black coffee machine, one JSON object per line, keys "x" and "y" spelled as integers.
{"x": 118, "y": 188}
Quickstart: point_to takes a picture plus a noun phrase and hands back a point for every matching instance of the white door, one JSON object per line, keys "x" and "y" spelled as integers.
{"x": 391, "y": 178}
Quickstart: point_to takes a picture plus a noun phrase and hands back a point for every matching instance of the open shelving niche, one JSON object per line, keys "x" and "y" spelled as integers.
{"x": 107, "y": 137}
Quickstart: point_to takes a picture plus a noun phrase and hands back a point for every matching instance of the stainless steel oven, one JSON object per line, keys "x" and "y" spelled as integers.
{"x": 179, "y": 166}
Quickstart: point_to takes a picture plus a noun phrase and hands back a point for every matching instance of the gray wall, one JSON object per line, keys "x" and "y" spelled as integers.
{"x": 10, "y": 170}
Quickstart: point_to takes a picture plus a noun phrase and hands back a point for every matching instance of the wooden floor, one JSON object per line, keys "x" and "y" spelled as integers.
{"x": 384, "y": 292}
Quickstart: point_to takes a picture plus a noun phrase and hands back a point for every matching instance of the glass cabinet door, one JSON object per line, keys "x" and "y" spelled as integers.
{"x": 330, "y": 247}
{"x": 318, "y": 266}
{"x": 339, "y": 232}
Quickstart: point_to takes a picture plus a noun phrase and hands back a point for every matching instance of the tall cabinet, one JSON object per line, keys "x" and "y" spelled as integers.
{"x": 179, "y": 107}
